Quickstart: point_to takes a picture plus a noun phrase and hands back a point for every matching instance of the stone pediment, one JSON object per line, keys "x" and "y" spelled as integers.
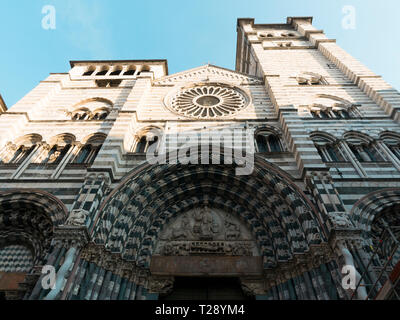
{"x": 208, "y": 73}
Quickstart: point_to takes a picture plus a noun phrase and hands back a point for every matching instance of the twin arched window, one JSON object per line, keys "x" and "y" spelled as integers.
{"x": 55, "y": 152}
{"x": 331, "y": 107}
{"x": 144, "y": 143}
{"x": 362, "y": 149}
{"x": 267, "y": 141}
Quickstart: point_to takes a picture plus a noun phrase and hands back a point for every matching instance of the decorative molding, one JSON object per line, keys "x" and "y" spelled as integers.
{"x": 207, "y": 101}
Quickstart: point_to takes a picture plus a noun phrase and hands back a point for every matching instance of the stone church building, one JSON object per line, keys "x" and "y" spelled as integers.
{"x": 311, "y": 212}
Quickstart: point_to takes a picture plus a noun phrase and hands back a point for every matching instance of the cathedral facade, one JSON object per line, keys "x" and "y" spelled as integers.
{"x": 279, "y": 180}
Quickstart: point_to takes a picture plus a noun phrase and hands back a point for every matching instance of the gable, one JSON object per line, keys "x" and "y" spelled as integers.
{"x": 208, "y": 73}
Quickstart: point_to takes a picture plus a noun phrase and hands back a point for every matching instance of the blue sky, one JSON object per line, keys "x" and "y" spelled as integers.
{"x": 188, "y": 33}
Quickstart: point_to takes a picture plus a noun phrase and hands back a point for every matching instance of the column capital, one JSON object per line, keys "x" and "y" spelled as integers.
{"x": 71, "y": 236}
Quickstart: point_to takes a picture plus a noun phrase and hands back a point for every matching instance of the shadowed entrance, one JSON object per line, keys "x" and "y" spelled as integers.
{"x": 187, "y": 288}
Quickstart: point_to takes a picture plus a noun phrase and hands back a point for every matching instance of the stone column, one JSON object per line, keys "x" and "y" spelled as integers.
{"x": 389, "y": 154}
{"x": 27, "y": 161}
{"x": 356, "y": 164}
{"x": 71, "y": 152}
{"x": 343, "y": 238}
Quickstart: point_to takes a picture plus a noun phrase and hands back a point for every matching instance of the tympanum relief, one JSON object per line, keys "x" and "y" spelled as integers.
{"x": 206, "y": 230}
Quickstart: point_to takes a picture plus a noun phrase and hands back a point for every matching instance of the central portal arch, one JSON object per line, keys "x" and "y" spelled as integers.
{"x": 203, "y": 220}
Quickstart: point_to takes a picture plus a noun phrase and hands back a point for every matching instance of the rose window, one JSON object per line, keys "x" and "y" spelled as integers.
{"x": 207, "y": 102}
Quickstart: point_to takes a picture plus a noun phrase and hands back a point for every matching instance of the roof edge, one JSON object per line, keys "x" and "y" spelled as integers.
{"x": 3, "y": 106}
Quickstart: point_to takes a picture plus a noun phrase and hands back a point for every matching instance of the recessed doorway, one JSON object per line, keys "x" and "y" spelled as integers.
{"x": 193, "y": 288}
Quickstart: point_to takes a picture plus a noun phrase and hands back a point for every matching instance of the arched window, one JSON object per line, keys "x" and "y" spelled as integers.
{"x": 20, "y": 150}
{"x": 336, "y": 114}
{"x": 130, "y": 72}
{"x": 392, "y": 141}
{"x": 144, "y": 69}
{"x": 116, "y": 72}
{"x": 385, "y": 235}
{"x": 345, "y": 114}
{"x": 145, "y": 142}
{"x": 267, "y": 141}
{"x": 102, "y": 72}
{"x": 274, "y": 143}
{"x": 262, "y": 144}
{"x": 91, "y": 109}
{"x": 89, "y": 71}
{"x": 141, "y": 145}
{"x": 56, "y": 154}
{"x": 364, "y": 149}
{"x": 88, "y": 152}
{"x": 100, "y": 114}
{"x": 21, "y": 154}
{"x": 327, "y": 148}
{"x": 80, "y": 114}
{"x": 326, "y": 106}
{"x": 83, "y": 154}
{"x": 56, "y": 149}
{"x": 324, "y": 114}
{"x": 314, "y": 114}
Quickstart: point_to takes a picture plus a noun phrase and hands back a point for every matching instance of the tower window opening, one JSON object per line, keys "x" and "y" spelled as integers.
{"x": 116, "y": 72}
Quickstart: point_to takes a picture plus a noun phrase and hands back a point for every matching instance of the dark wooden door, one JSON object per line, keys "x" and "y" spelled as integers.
{"x": 187, "y": 288}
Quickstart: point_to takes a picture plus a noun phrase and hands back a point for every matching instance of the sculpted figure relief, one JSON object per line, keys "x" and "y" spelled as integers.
{"x": 232, "y": 230}
{"x": 204, "y": 226}
{"x": 206, "y": 231}
{"x": 182, "y": 231}
{"x": 340, "y": 220}
{"x": 77, "y": 217}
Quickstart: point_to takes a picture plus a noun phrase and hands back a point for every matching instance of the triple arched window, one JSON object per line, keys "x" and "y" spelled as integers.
{"x": 84, "y": 114}
{"x": 330, "y": 107}
{"x": 91, "y": 109}
{"x": 61, "y": 147}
